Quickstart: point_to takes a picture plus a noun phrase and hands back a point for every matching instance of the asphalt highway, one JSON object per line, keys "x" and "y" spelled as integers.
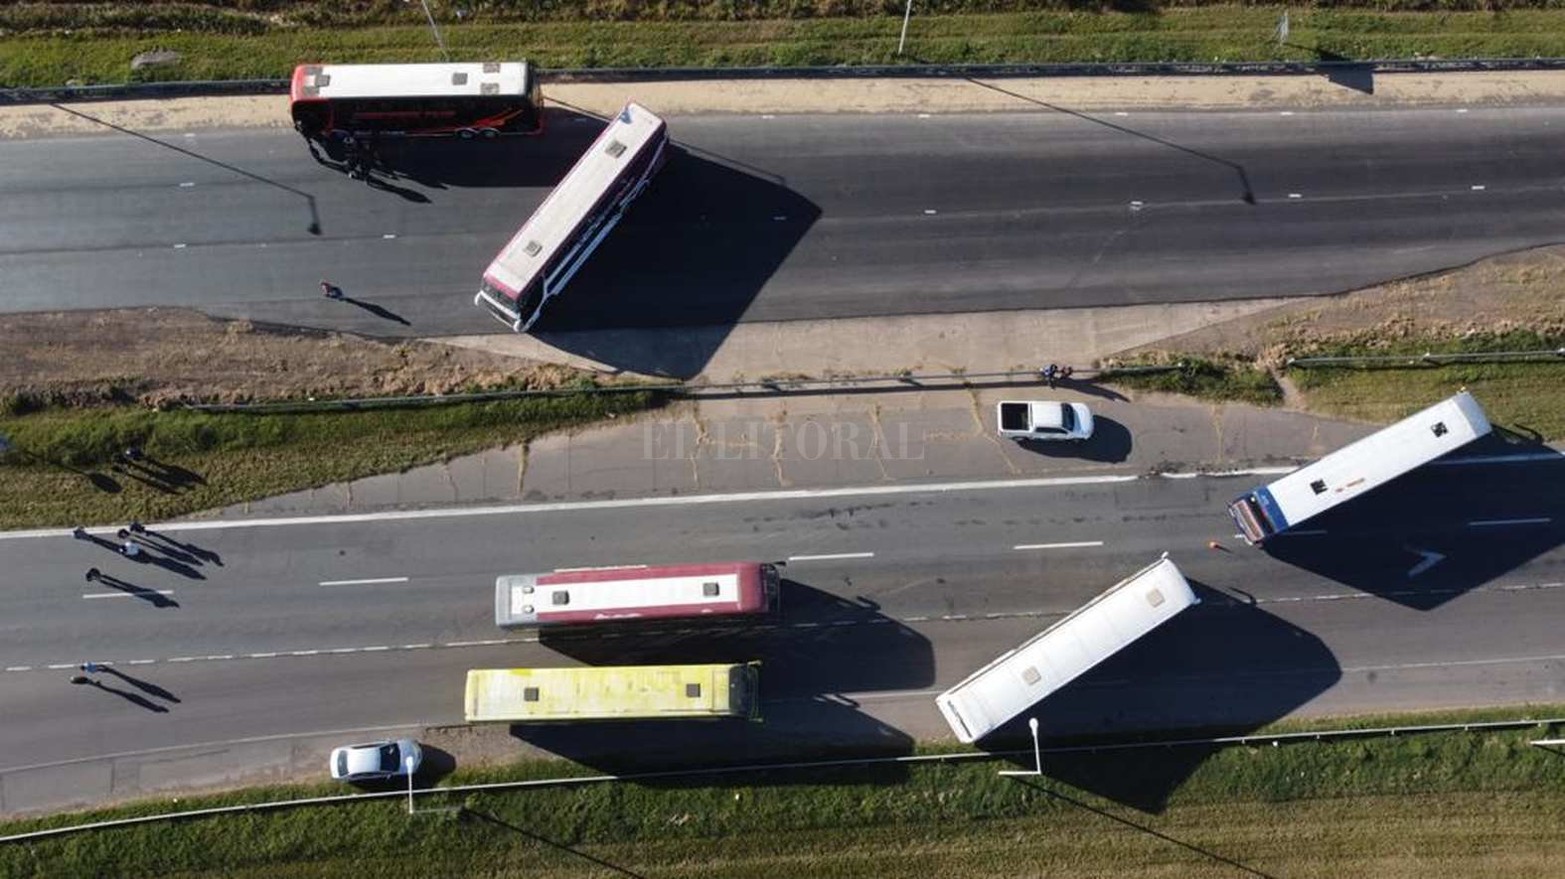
{"x": 787, "y": 218}
{"x": 1443, "y": 590}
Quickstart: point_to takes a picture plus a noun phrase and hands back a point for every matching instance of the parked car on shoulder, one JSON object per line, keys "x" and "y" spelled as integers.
{"x": 376, "y": 760}
{"x": 1024, "y": 420}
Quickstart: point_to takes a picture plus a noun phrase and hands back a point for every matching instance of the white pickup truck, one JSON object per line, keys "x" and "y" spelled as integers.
{"x": 1023, "y": 420}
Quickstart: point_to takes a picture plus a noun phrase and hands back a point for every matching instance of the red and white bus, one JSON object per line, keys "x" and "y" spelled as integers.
{"x": 570, "y": 224}
{"x": 479, "y": 99}
{"x": 606, "y": 595}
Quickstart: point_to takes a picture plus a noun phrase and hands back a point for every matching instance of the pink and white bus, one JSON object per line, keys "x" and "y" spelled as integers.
{"x": 606, "y": 595}
{"x": 467, "y": 100}
{"x": 553, "y": 244}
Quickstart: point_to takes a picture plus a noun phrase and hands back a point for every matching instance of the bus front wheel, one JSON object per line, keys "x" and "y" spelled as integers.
{"x": 490, "y": 133}
{"x": 465, "y": 133}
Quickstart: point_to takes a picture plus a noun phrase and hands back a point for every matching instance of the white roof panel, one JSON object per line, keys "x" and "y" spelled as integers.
{"x": 1017, "y": 680}
{"x": 414, "y": 80}
{"x": 628, "y": 134}
{"x": 1380, "y": 457}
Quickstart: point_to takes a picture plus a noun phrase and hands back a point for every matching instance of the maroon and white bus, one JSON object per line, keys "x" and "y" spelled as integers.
{"x": 478, "y": 99}
{"x": 606, "y": 595}
{"x": 553, "y": 244}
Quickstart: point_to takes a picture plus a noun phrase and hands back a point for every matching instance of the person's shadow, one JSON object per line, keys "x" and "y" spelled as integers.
{"x": 379, "y": 311}
{"x": 145, "y": 686}
{"x": 133, "y": 698}
{"x": 151, "y": 596}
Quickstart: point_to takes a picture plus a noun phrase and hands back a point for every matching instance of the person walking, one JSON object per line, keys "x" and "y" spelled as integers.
{"x": 131, "y": 549}
{"x": 91, "y": 668}
{"x": 330, "y": 290}
{"x": 137, "y": 527}
{"x": 94, "y": 575}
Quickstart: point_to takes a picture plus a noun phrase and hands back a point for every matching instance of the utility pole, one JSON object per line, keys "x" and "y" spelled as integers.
{"x": 905, "y": 16}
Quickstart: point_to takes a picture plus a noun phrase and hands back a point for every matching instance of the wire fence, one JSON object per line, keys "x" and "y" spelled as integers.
{"x": 1431, "y": 359}
{"x": 759, "y": 387}
{"x": 1266, "y": 739}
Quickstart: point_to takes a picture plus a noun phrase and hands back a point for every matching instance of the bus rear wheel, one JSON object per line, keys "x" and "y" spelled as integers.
{"x": 466, "y": 133}
{"x": 489, "y": 133}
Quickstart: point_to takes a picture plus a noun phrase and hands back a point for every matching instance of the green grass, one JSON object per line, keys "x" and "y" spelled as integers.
{"x": 1527, "y": 397}
{"x": 1217, "y": 378}
{"x": 92, "y": 54}
{"x": 1446, "y": 804}
{"x": 60, "y": 473}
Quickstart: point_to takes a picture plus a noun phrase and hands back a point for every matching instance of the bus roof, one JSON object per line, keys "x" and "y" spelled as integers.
{"x": 1373, "y": 461}
{"x": 626, "y": 593}
{"x": 633, "y": 130}
{"x": 601, "y": 692}
{"x": 1017, "y": 680}
{"x": 332, "y": 81}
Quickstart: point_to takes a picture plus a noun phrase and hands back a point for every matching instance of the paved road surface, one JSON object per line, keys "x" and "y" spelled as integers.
{"x": 290, "y": 629}
{"x": 791, "y": 217}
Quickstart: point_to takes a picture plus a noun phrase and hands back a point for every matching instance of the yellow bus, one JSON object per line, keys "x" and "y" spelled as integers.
{"x": 628, "y": 692}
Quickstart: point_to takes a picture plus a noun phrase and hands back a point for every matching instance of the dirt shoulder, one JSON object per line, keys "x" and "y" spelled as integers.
{"x": 1524, "y": 290}
{"x": 159, "y": 355}
{"x": 945, "y": 95}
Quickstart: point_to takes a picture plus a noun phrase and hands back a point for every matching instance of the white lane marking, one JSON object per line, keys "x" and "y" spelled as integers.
{"x": 181, "y": 246}
{"x": 1295, "y": 195}
{"x": 1511, "y": 588}
{"x": 929, "y": 211}
{"x": 923, "y": 115}
{"x": 1485, "y": 523}
{"x": 363, "y": 582}
{"x": 1286, "y": 113}
{"x": 126, "y": 594}
{"x": 1120, "y": 113}
{"x": 187, "y": 184}
{"x": 1477, "y": 187}
{"x": 768, "y": 116}
{"x": 830, "y": 556}
{"x": 388, "y": 236}
{"x": 1461, "y": 109}
{"x": 789, "y": 494}
{"x": 1058, "y": 545}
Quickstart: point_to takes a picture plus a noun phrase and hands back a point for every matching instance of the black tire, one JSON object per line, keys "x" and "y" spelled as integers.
{"x": 466, "y": 133}
{"x": 489, "y": 133}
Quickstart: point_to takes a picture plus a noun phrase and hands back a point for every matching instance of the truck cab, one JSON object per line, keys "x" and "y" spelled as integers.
{"x": 1044, "y": 420}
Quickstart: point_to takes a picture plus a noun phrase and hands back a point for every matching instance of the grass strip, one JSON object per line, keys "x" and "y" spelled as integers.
{"x": 1216, "y": 378}
{"x": 98, "y": 54}
{"x": 1443, "y": 804}
{"x": 60, "y": 469}
{"x": 1527, "y": 397}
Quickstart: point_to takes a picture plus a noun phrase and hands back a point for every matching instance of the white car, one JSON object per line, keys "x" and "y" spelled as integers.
{"x": 1024, "y": 420}
{"x": 374, "y": 760}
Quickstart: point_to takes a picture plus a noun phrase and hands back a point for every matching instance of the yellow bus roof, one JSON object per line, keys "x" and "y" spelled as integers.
{"x": 607, "y": 692}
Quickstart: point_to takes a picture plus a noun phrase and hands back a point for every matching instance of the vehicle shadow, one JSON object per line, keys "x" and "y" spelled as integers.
{"x": 1224, "y": 667}
{"x": 682, "y": 267}
{"x": 1110, "y": 442}
{"x": 810, "y": 657}
{"x": 441, "y": 162}
{"x": 813, "y": 648}
{"x": 1440, "y": 531}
